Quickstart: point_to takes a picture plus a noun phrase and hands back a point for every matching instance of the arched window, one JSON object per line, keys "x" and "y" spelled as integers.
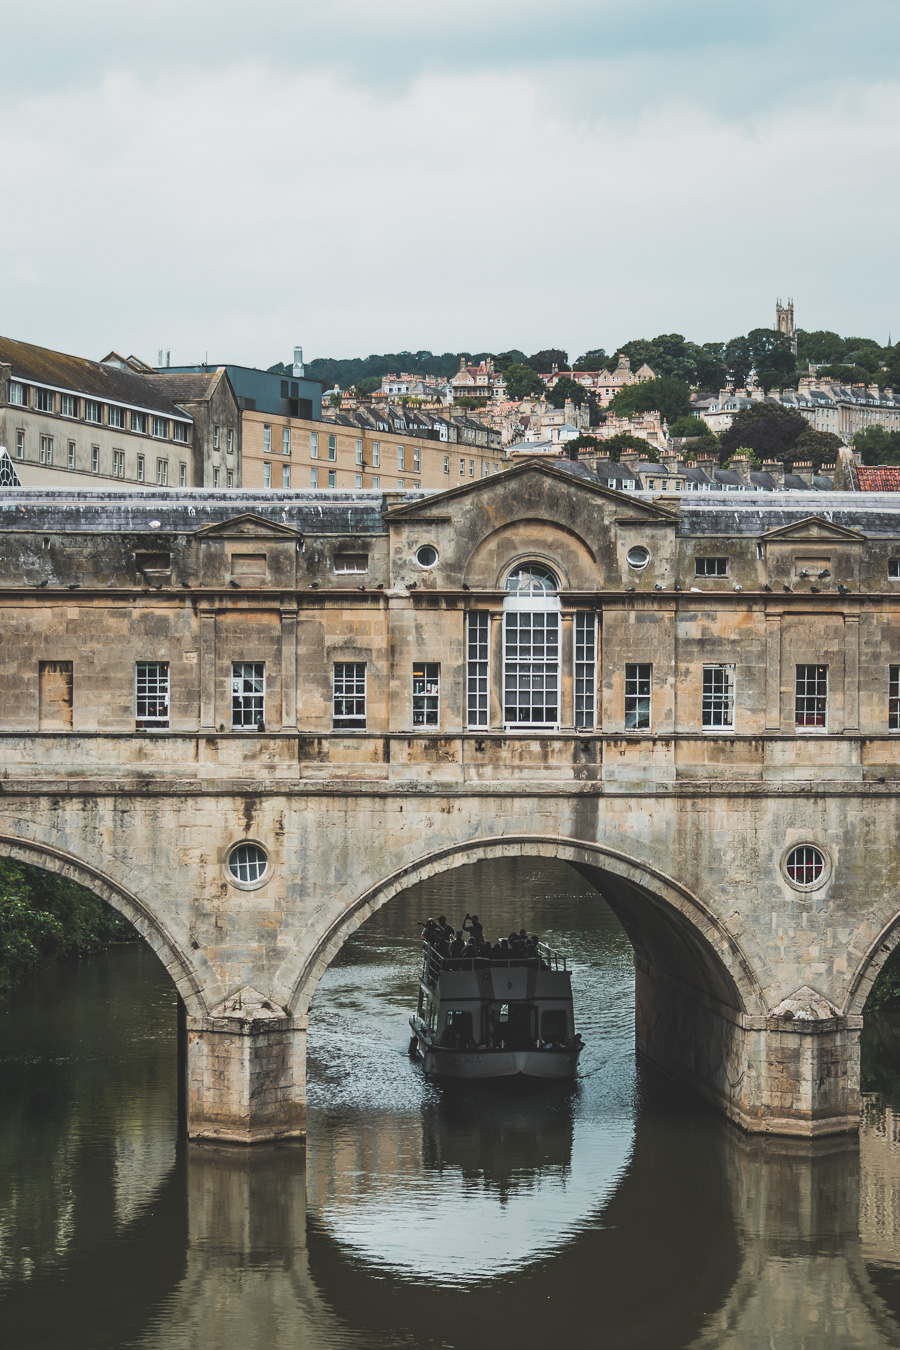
{"x": 531, "y": 633}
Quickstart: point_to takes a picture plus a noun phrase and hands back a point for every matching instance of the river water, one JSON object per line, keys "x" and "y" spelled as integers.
{"x": 614, "y": 1212}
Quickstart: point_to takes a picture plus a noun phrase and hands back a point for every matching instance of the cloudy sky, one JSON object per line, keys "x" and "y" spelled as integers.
{"x": 230, "y": 178}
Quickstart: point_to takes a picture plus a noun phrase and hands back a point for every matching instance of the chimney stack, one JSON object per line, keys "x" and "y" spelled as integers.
{"x": 297, "y": 370}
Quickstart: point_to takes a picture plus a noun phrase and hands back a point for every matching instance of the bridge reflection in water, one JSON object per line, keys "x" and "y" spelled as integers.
{"x": 615, "y": 1211}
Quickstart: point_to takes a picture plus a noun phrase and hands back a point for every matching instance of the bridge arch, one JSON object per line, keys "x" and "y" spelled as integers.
{"x": 671, "y": 929}
{"x": 185, "y": 973}
{"x": 869, "y": 968}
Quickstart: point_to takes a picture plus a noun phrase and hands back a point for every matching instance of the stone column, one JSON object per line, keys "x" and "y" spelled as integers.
{"x": 773, "y": 672}
{"x": 246, "y": 1072}
{"x": 851, "y": 674}
{"x": 207, "y": 669}
{"x": 289, "y": 667}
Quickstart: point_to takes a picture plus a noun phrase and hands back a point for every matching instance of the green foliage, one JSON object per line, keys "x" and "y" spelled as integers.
{"x": 523, "y": 382}
{"x": 43, "y": 916}
{"x": 469, "y": 401}
{"x": 885, "y": 992}
{"x": 821, "y": 447}
{"x": 878, "y": 446}
{"x": 688, "y": 425}
{"x": 595, "y": 359}
{"x": 348, "y": 371}
{"x": 623, "y": 440}
{"x": 334, "y": 400}
{"x": 503, "y": 360}
{"x": 543, "y": 362}
{"x": 566, "y": 388}
{"x": 768, "y": 429}
{"x": 367, "y": 385}
{"x": 582, "y": 445}
{"x": 844, "y": 374}
{"x": 671, "y": 354}
{"x": 765, "y": 351}
{"x": 668, "y": 395}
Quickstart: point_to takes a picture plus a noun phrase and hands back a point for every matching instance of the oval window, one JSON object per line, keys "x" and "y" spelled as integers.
{"x": 638, "y": 556}
{"x": 805, "y": 866}
{"x": 247, "y": 863}
{"x": 532, "y": 578}
{"x": 427, "y": 555}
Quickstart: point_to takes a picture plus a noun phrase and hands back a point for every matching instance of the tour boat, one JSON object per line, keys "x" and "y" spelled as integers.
{"x": 480, "y": 1018}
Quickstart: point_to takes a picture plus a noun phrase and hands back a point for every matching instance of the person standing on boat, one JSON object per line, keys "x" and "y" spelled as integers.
{"x": 475, "y": 929}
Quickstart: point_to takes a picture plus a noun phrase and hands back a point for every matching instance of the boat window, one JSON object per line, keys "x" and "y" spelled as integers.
{"x": 458, "y": 1027}
{"x": 553, "y": 1024}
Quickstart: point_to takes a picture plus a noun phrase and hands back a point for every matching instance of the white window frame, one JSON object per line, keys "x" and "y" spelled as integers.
{"x": 215, "y": 478}
{"x": 115, "y": 417}
{"x": 807, "y": 727}
{"x": 18, "y": 394}
{"x": 359, "y": 450}
{"x": 138, "y": 422}
{"x": 93, "y": 412}
{"x": 349, "y": 689}
{"x": 229, "y": 441}
{"x": 267, "y": 475}
{"x": 267, "y": 439}
{"x": 285, "y": 475}
{"x": 285, "y": 440}
{"x": 417, "y": 459}
{"x": 180, "y": 433}
{"x": 162, "y": 473}
{"x": 718, "y": 701}
{"x": 332, "y": 478}
{"x": 20, "y": 443}
{"x": 140, "y": 468}
{"x": 426, "y": 694}
{"x": 584, "y": 661}
{"x": 215, "y": 435}
{"x": 46, "y": 450}
{"x": 182, "y": 476}
{"x": 893, "y": 698}
{"x": 95, "y": 459}
{"x": 248, "y": 695}
{"x": 70, "y": 454}
{"x": 638, "y": 677}
{"x": 151, "y": 690}
{"x": 478, "y": 669}
{"x": 314, "y": 477}
{"x": 446, "y": 464}
{"x": 711, "y": 566}
{"x": 332, "y": 447}
{"x": 67, "y": 405}
{"x": 401, "y": 459}
{"x": 376, "y": 454}
{"x": 44, "y": 400}
{"x": 160, "y": 428}
{"x": 314, "y": 445}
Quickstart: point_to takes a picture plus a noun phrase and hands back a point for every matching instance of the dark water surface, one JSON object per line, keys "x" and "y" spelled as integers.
{"x": 614, "y": 1212}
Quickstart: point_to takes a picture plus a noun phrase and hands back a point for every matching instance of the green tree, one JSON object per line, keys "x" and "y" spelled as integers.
{"x": 623, "y": 440}
{"x": 469, "y": 401}
{"x": 821, "y": 447}
{"x": 769, "y": 429}
{"x": 671, "y": 354}
{"x": 819, "y": 346}
{"x": 582, "y": 445}
{"x": 765, "y": 351}
{"x": 367, "y": 385}
{"x": 523, "y": 382}
{"x": 543, "y": 362}
{"x": 595, "y": 359}
{"x": 877, "y": 446}
{"x": 688, "y": 425}
{"x": 847, "y": 374}
{"x": 668, "y": 395}
{"x": 566, "y": 388}
{"x": 503, "y": 360}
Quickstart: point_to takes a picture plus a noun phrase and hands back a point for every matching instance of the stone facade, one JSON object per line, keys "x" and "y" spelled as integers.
{"x": 750, "y": 983}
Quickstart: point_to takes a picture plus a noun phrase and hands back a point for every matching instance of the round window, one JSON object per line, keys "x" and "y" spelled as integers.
{"x": 247, "y": 863}
{"x": 427, "y": 555}
{"x": 638, "y": 556}
{"x": 805, "y": 867}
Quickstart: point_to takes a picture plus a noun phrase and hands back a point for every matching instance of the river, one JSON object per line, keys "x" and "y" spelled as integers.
{"x": 614, "y": 1212}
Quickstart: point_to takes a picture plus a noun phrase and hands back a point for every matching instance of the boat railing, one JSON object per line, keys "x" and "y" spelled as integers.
{"x": 433, "y": 963}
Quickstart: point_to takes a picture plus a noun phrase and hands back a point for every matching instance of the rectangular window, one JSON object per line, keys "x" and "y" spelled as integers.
{"x": 471, "y": 468}
{"x": 462, "y": 468}
{"x": 376, "y": 454}
{"x": 116, "y": 417}
{"x": 359, "y": 480}
{"x": 314, "y": 477}
{"x": 638, "y": 686}
{"x": 894, "y": 568}
{"x": 332, "y": 478}
{"x": 140, "y": 468}
{"x": 44, "y": 400}
{"x": 138, "y": 422}
{"x": 71, "y": 454}
{"x": 215, "y": 436}
{"x": 485, "y": 468}
{"x": 267, "y": 475}
{"x": 93, "y": 411}
{"x": 285, "y": 440}
{"x": 95, "y": 459}
{"x": 401, "y": 458}
{"x": 349, "y": 695}
{"x": 215, "y": 478}
{"x": 17, "y": 393}
{"x": 118, "y": 464}
{"x": 229, "y": 444}
{"x": 332, "y": 447}
{"x": 531, "y": 668}
{"x": 267, "y": 440}
{"x": 162, "y": 472}
{"x": 285, "y": 475}
{"x": 446, "y": 464}
{"x": 46, "y": 449}
{"x": 180, "y": 433}
{"x": 376, "y": 481}
{"x": 359, "y": 450}
{"x": 478, "y": 629}
{"x": 426, "y": 693}
{"x": 416, "y": 486}
{"x": 161, "y": 428}
{"x": 314, "y": 445}
{"x": 151, "y": 693}
{"x": 417, "y": 459}
{"x": 710, "y": 567}
{"x": 248, "y": 694}
{"x": 182, "y": 476}
{"x": 67, "y": 405}
{"x": 894, "y": 698}
{"x": 55, "y": 695}
{"x": 229, "y": 478}
{"x": 811, "y": 696}
{"x": 20, "y": 445}
{"x": 351, "y": 562}
{"x": 718, "y": 697}
{"x": 401, "y": 483}
{"x": 585, "y": 670}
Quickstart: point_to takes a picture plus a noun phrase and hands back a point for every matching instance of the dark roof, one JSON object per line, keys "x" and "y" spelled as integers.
{"x": 193, "y": 387}
{"x": 109, "y": 383}
{"x": 794, "y": 483}
{"x": 761, "y": 478}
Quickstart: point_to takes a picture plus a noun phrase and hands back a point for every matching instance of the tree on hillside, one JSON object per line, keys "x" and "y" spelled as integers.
{"x": 566, "y": 388}
{"x": 582, "y": 445}
{"x": 543, "y": 362}
{"x": 819, "y": 347}
{"x": 623, "y": 440}
{"x": 523, "y": 382}
{"x": 769, "y": 429}
{"x": 595, "y": 359}
{"x": 765, "y": 351}
{"x": 367, "y": 386}
{"x": 819, "y": 447}
{"x": 669, "y": 396}
{"x": 503, "y": 360}
{"x": 845, "y": 374}
{"x": 689, "y": 425}
{"x": 671, "y": 354}
{"x": 877, "y": 446}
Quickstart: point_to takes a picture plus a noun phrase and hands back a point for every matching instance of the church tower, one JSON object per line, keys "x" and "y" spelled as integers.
{"x": 784, "y": 321}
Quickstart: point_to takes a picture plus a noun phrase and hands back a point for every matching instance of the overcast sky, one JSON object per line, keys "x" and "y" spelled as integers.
{"x": 233, "y": 178}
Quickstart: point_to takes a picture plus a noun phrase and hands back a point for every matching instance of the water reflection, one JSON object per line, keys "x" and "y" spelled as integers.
{"x": 616, "y": 1210}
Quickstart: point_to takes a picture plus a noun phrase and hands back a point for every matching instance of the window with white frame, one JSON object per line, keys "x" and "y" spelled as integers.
{"x": 17, "y": 394}
{"x": 349, "y": 708}
{"x": 71, "y": 454}
{"x": 401, "y": 483}
{"x": 215, "y": 478}
{"x": 161, "y": 428}
{"x": 471, "y": 468}
{"x": 401, "y": 458}
{"x": 314, "y": 477}
{"x": 426, "y": 693}
{"x": 93, "y": 412}
{"x": 811, "y": 697}
{"x": 894, "y": 568}
{"x": 462, "y": 468}
{"x": 332, "y": 478}
{"x": 151, "y": 693}
{"x": 417, "y": 459}
{"x": 359, "y": 450}
{"x": 162, "y": 472}
{"x": 45, "y": 400}
{"x": 138, "y": 422}
{"x": 376, "y": 481}
{"x": 180, "y": 433}
{"x": 717, "y": 712}
{"x": 140, "y": 468}
{"x": 376, "y": 454}
{"x": 359, "y": 480}
{"x": 46, "y": 449}
{"x": 285, "y": 440}
{"x": 585, "y": 670}
{"x": 531, "y": 629}
{"x": 95, "y": 459}
{"x": 229, "y": 478}
{"x": 67, "y": 405}
{"x": 215, "y": 436}
{"x": 332, "y": 446}
{"x": 229, "y": 441}
{"x": 894, "y": 698}
{"x": 638, "y": 693}
{"x": 116, "y": 417}
{"x": 20, "y": 444}
{"x": 182, "y": 476}
{"x": 285, "y": 475}
{"x": 314, "y": 445}
{"x": 248, "y": 694}
{"x": 446, "y": 464}
{"x": 267, "y": 475}
{"x": 478, "y": 667}
{"x": 710, "y": 567}
{"x": 267, "y": 439}
{"x": 118, "y": 464}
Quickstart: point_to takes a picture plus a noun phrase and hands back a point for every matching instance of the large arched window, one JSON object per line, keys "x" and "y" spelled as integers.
{"x": 531, "y": 634}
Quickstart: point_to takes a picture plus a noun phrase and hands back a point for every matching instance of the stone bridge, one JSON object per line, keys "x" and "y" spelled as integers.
{"x": 216, "y": 717}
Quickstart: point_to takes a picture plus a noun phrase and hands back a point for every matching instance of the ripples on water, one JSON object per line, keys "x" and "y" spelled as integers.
{"x": 614, "y": 1211}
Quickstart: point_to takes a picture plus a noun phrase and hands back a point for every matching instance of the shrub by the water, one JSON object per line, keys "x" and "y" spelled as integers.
{"x": 43, "y": 916}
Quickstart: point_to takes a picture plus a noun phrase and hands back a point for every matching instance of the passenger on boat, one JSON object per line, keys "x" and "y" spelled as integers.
{"x": 475, "y": 929}
{"x": 458, "y": 945}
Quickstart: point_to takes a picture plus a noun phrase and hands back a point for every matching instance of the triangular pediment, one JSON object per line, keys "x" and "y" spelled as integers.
{"x": 247, "y": 526}
{"x": 500, "y": 486}
{"x": 814, "y": 528}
